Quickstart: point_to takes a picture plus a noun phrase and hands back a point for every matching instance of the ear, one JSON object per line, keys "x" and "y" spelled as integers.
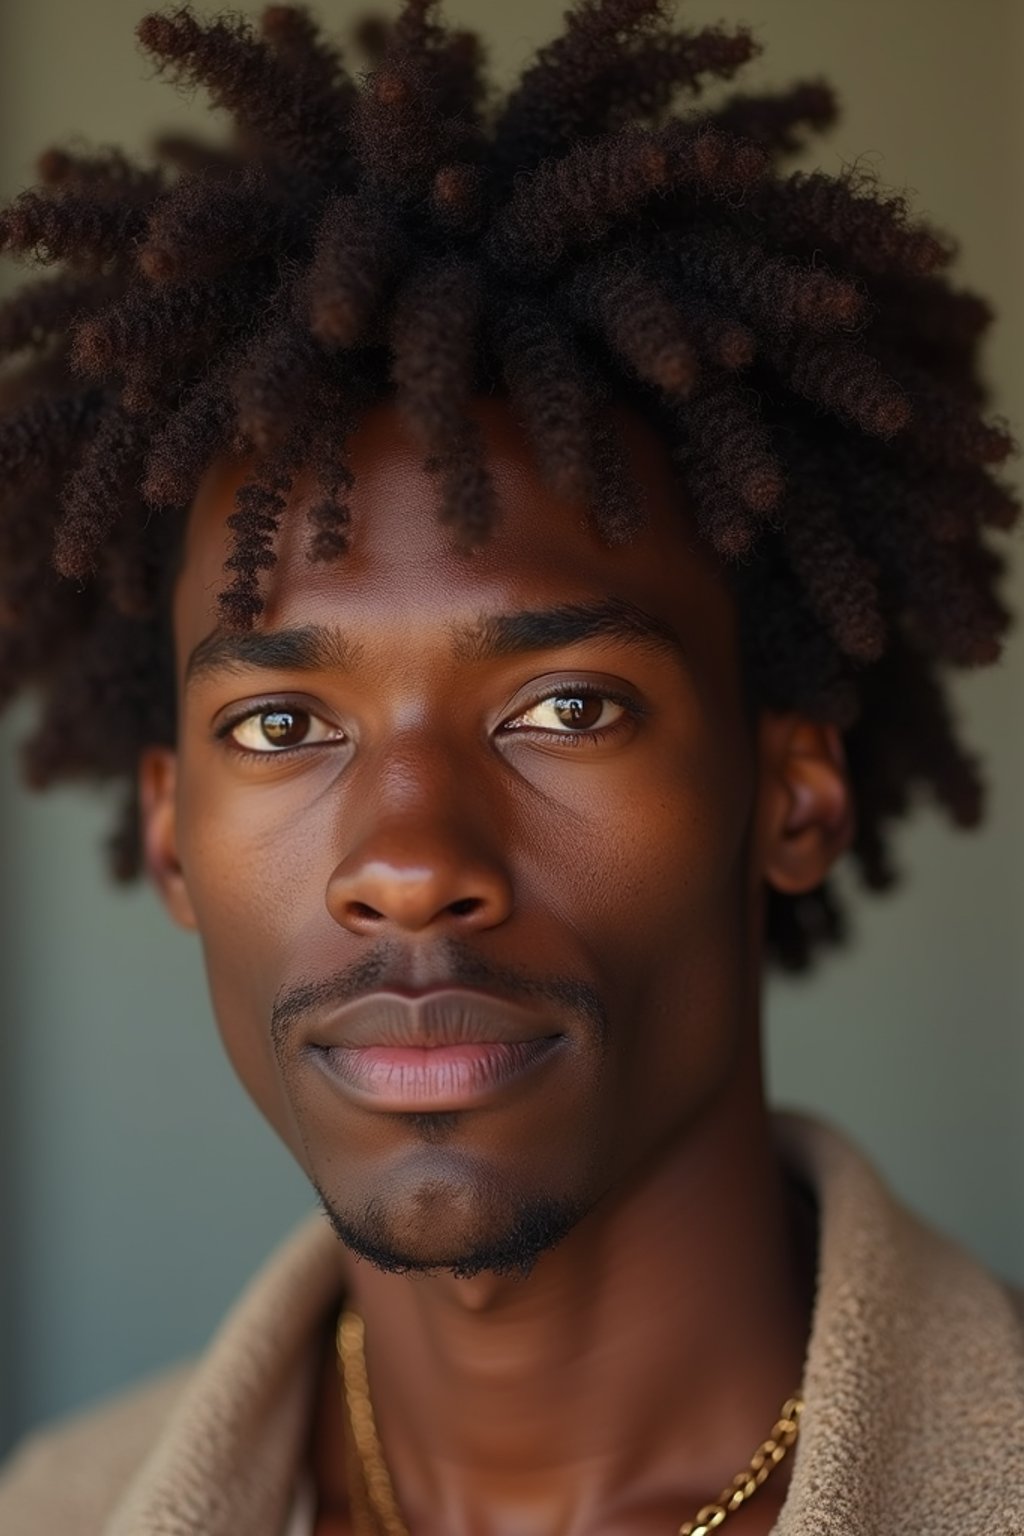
{"x": 158, "y": 768}
{"x": 806, "y": 813}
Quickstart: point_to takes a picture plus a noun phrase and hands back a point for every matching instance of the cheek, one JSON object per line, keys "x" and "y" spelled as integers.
{"x": 257, "y": 892}
{"x": 654, "y": 878}
{"x": 649, "y": 850}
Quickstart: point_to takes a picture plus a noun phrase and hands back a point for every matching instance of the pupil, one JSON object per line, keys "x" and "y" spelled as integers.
{"x": 579, "y": 712}
{"x": 283, "y": 727}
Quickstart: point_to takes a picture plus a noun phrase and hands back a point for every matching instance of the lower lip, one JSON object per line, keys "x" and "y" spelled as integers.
{"x": 440, "y": 1077}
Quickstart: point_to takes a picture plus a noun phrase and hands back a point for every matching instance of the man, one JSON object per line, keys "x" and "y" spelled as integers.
{"x": 513, "y": 557}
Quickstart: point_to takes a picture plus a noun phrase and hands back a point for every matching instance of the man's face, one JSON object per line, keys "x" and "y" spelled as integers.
{"x": 469, "y": 847}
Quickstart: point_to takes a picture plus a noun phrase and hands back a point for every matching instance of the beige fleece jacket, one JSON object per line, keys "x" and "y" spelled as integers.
{"x": 913, "y": 1385}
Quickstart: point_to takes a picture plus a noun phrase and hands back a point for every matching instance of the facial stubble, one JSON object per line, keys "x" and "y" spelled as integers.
{"x": 505, "y": 1232}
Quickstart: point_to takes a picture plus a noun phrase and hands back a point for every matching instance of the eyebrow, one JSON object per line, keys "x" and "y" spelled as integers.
{"x": 315, "y": 647}
{"x": 321, "y": 647}
{"x": 510, "y": 634}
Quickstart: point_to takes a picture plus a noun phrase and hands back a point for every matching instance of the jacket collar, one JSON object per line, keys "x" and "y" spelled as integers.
{"x": 914, "y": 1377}
{"x": 913, "y": 1381}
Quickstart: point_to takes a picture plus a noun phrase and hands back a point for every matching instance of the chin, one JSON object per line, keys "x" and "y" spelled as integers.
{"x": 450, "y": 1225}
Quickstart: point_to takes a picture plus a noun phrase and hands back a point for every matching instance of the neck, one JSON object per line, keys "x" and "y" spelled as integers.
{"x": 634, "y": 1371}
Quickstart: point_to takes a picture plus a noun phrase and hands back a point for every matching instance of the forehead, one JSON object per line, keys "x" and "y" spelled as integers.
{"x": 403, "y": 560}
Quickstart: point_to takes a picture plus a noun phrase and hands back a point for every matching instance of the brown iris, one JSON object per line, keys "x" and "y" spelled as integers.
{"x": 284, "y": 727}
{"x": 578, "y": 710}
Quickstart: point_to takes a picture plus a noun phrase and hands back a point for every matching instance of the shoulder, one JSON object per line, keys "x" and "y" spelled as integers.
{"x": 69, "y": 1476}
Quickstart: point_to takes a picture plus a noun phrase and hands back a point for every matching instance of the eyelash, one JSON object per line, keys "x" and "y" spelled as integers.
{"x": 222, "y": 732}
{"x": 632, "y": 712}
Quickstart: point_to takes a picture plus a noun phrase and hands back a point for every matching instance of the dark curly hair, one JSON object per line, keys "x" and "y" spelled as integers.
{"x": 595, "y": 235}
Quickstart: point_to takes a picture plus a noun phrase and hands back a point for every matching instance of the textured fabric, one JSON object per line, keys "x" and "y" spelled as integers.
{"x": 913, "y": 1384}
{"x": 303, "y": 1513}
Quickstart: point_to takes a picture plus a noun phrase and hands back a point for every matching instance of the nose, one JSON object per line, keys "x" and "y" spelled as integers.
{"x": 410, "y": 875}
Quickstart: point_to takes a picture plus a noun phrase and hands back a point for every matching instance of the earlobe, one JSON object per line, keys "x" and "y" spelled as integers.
{"x": 807, "y": 814}
{"x": 157, "y": 783}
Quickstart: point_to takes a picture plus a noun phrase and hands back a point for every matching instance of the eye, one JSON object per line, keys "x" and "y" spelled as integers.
{"x": 278, "y": 727}
{"x": 574, "y": 712}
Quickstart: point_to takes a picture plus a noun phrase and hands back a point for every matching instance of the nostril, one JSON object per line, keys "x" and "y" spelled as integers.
{"x": 465, "y": 906}
{"x": 363, "y": 912}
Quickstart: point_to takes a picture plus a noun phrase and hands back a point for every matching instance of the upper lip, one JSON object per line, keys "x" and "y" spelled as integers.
{"x": 448, "y": 1016}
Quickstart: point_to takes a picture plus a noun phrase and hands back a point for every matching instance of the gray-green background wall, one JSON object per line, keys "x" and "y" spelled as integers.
{"x": 138, "y": 1187}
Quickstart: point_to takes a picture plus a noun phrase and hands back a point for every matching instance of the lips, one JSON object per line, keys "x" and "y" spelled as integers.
{"x": 442, "y": 1050}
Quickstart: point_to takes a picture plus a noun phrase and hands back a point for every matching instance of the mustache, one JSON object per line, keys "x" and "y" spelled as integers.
{"x": 461, "y": 967}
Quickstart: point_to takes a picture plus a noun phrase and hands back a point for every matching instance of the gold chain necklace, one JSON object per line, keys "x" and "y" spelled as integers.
{"x": 372, "y": 1495}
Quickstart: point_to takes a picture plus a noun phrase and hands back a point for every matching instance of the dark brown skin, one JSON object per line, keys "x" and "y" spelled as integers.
{"x": 621, "y": 1383}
